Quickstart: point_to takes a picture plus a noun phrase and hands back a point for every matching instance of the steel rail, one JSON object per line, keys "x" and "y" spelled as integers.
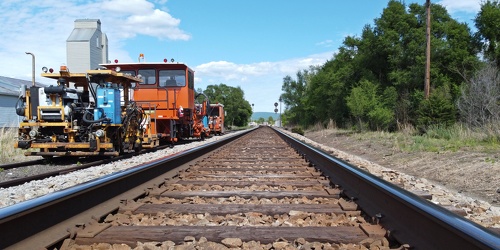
{"x": 21, "y": 164}
{"x": 398, "y": 210}
{"x": 19, "y": 181}
{"x": 21, "y": 222}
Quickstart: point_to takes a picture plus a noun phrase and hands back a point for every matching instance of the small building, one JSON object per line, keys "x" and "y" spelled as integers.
{"x": 86, "y": 46}
{"x": 9, "y": 94}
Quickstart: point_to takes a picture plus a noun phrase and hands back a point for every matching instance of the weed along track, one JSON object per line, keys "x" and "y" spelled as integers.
{"x": 257, "y": 192}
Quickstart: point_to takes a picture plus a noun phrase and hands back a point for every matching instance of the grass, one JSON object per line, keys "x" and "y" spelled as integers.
{"x": 454, "y": 138}
{"x": 435, "y": 139}
{"x": 8, "y": 153}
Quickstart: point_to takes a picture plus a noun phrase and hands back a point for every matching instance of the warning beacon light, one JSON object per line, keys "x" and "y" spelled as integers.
{"x": 63, "y": 68}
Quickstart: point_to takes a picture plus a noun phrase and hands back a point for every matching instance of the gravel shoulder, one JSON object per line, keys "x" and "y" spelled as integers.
{"x": 471, "y": 173}
{"x": 465, "y": 181}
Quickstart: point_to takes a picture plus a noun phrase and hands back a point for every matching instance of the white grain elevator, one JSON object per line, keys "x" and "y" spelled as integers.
{"x": 87, "y": 46}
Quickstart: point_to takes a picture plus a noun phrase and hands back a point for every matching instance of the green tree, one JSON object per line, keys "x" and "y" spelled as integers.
{"x": 270, "y": 120}
{"x": 439, "y": 109}
{"x": 361, "y": 100}
{"x": 237, "y": 108}
{"x": 380, "y": 118}
{"x": 327, "y": 88}
{"x": 487, "y": 22}
{"x": 368, "y": 107}
{"x": 381, "y": 72}
{"x": 390, "y": 54}
{"x": 293, "y": 96}
{"x": 394, "y": 52}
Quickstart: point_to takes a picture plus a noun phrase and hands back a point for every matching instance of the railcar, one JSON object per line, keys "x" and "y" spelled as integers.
{"x": 216, "y": 119}
{"x": 167, "y": 96}
{"x": 83, "y": 114}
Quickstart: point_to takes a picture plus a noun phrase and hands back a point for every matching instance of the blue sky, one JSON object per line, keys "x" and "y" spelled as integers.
{"x": 252, "y": 44}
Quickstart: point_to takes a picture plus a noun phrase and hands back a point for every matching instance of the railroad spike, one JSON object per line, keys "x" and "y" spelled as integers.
{"x": 94, "y": 220}
{"x": 378, "y": 217}
{"x": 403, "y": 247}
{"x": 72, "y": 232}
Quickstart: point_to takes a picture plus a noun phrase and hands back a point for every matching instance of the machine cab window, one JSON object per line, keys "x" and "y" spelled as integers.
{"x": 172, "y": 78}
{"x": 148, "y": 76}
{"x": 190, "y": 79}
{"x": 133, "y": 85}
{"x": 128, "y": 72}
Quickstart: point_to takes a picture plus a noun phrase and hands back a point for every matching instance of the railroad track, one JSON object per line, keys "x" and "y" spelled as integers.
{"x": 65, "y": 165}
{"x": 8, "y": 166}
{"x": 250, "y": 192}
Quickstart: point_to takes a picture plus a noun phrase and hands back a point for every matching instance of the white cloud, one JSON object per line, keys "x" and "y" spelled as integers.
{"x": 261, "y": 82}
{"x": 43, "y": 27}
{"x": 230, "y": 71}
{"x": 157, "y": 24}
{"x": 132, "y": 7}
{"x": 470, "y": 6}
{"x": 326, "y": 43}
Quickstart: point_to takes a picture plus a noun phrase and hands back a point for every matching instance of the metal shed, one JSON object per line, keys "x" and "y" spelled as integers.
{"x": 9, "y": 94}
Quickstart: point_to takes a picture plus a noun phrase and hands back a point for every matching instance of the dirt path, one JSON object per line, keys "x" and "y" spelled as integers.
{"x": 474, "y": 174}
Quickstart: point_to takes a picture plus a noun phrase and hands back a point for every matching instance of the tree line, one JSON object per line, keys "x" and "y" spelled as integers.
{"x": 376, "y": 80}
{"x": 238, "y": 110}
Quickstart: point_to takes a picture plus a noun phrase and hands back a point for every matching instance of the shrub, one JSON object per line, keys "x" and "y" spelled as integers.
{"x": 8, "y": 153}
{"x": 298, "y": 130}
{"x": 381, "y": 118}
{"x": 439, "y": 109}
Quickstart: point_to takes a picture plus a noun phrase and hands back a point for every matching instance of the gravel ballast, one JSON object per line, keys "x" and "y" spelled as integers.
{"x": 478, "y": 211}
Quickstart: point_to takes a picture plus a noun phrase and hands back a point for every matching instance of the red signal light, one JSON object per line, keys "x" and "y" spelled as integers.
{"x": 116, "y": 60}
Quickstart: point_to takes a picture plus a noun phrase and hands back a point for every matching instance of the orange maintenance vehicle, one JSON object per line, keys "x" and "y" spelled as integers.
{"x": 216, "y": 119}
{"x": 167, "y": 96}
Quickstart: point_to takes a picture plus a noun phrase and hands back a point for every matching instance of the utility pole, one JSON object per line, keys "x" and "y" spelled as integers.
{"x": 280, "y": 111}
{"x": 427, "y": 83}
